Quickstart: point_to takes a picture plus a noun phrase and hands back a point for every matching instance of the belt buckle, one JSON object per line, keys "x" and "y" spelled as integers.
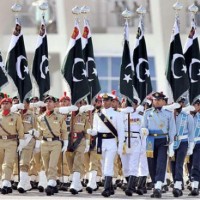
{"x": 155, "y": 134}
{"x": 49, "y": 139}
{"x": 104, "y": 135}
{"x": 4, "y": 137}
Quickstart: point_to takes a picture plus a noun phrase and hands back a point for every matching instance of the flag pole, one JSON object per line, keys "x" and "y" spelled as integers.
{"x": 16, "y": 8}
{"x": 126, "y": 14}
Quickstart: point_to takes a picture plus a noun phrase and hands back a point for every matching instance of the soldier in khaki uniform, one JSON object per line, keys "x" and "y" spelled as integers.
{"x": 53, "y": 129}
{"x": 29, "y": 122}
{"x": 92, "y": 162}
{"x": 11, "y": 127}
{"x": 78, "y": 143}
{"x": 63, "y": 169}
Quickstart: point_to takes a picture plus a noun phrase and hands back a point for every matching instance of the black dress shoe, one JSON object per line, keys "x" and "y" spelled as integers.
{"x": 89, "y": 190}
{"x": 4, "y": 190}
{"x": 194, "y": 192}
{"x": 73, "y": 191}
{"x": 21, "y": 190}
{"x": 14, "y": 185}
{"x": 64, "y": 187}
{"x": 106, "y": 193}
{"x": 49, "y": 190}
{"x": 156, "y": 193}
{"x": 40, "y": 188}
{"x": 165, "y": 189}
{"x": 177, "y": 193}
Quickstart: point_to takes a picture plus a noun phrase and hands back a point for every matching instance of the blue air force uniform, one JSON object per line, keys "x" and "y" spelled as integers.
{"x": 184, "y": 134}
{"x": 162, "y": 129}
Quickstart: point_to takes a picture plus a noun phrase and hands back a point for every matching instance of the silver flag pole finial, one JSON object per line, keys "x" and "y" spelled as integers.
{"x": 43, "y": 6}
{"x": 76, "y": 11}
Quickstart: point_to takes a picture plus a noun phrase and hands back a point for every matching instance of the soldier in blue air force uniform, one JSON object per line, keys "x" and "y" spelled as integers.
{"x": 195, "y": 171}
{"x": 183, "y": 145}
{"x": 161, "y": 131}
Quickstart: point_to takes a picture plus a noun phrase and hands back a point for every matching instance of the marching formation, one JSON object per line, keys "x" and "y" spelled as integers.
{"x": 110, "y": 145}
{"x": 95, "y": 140}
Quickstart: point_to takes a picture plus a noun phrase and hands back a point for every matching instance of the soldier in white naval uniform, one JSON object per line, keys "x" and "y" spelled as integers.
{"x": 108, "y": 127}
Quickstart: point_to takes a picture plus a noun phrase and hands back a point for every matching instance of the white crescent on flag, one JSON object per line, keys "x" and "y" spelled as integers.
{"x": 141, "y": 60}
{"x": 18, "y": 66}
{"x": 44, "y": 58}
{"x": 76, "y": 60}
{"x": 176, "y": 56}
{"x": 194, "y": 60}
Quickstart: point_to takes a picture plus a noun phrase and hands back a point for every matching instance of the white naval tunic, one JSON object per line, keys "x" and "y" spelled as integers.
{"x": 109, "y": 146}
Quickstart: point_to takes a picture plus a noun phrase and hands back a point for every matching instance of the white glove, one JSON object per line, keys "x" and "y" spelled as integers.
{"x": 64, "y": 149}
{"x": 36, "y": 133}
{"x": 144, "y": 132}
{"x": 37, "y": 146}
{"x": 190, "y": 149}
{"x": 21, "y": 145}
{"x": 170, "y": 151}
{"x": 16, "y": 107}
{"x": 91, "y": 132}
{"x": 87, "y": 148}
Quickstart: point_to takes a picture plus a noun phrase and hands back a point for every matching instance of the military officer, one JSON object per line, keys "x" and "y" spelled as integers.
{"x": 184, "y": 136}
{"x": 11, "y": 129}
{"x": 92, "y": 163}
{"x": 130, "y": 160}
{"x": 63, "y": 169}
{"x": 108, "y": 127}
{"x": 78, "y": 145}
{"x": 53, "y": 130}
{"x": 195, "y": 170}
{"x": 162, "y": 128}
{"x": 30, "y": 126}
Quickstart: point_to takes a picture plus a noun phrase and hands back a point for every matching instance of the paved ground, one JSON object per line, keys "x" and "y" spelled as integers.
{"x": 34, "y": 195}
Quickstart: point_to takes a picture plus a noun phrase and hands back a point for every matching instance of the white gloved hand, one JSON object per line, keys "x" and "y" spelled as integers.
{"x": 144, "y": 132}
{"x": 190, "y": 148}
{"x": 36, "y": 133}
{"x": 170, "y": 151}
{"x": 37, "y": 146}
{"x": 21, "y": 145}
{"x": 65, "y": 145}
{"x": 91, "y": 132}
{"x": 87, "y": 147}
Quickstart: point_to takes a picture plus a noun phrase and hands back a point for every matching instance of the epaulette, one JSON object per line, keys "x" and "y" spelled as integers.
{"x": 141, "y": 113}
{"x": 149, "y": 109}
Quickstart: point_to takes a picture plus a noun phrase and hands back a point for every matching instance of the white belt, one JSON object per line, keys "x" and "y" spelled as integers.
{"x": 182, "y": 137}
{"x": 132, "y": 134}
{"x": 196, "y": 139}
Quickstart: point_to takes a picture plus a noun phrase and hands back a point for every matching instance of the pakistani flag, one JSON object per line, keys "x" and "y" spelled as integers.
{"x": 40, "y": 69}
{"x": 192, "y": 60}
{"x": 17, "y": 64}
{"x": 176, "y": 73}
{"x": 126, "y": 73}
{"x": 141, "y": 78}
{"x": 73, "y": 68}
{"x": 88, "y": 55}
{"x": 3, "y": 77}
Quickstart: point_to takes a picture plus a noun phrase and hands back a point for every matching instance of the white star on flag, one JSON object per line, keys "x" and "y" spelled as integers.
{"x": 94, "y": 71}
{"x": 184, "y": 68}
{"x": 26, "y": 69}
{"x": 127, "y": 78}
{"x": 84, "y": 73}
{"x": 147, "y": 72}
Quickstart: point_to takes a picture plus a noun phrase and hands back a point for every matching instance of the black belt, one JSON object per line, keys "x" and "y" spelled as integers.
{"x": 158, "y": 135}
{"x": 51, "y": 139}
{"x": 101, "y": 136}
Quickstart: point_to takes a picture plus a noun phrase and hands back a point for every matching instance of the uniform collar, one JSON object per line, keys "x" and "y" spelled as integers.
{"x": 48, "y": 113}
{"x": 5, "y": 112}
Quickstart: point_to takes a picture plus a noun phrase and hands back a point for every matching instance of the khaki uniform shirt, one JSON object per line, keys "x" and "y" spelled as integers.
{"x": 56, "y": 122}
{"x": 12, "y": 123}
{"x": 29, "y": 121}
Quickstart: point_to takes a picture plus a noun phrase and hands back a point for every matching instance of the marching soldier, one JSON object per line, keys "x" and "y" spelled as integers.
{"x": 53, "y": 130}
{"x": 92, "y": 162}
{"x": 161, "y": 126}
{"x": 78, "y": 145}
{"x": 11, "y": 129}
{"x": 63, "y": 169}
{"x": 184, "y": 136}
{"x": 195, "y": 170}
{"x": 30, "y": 126}
{"x": 108, "y": 127}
